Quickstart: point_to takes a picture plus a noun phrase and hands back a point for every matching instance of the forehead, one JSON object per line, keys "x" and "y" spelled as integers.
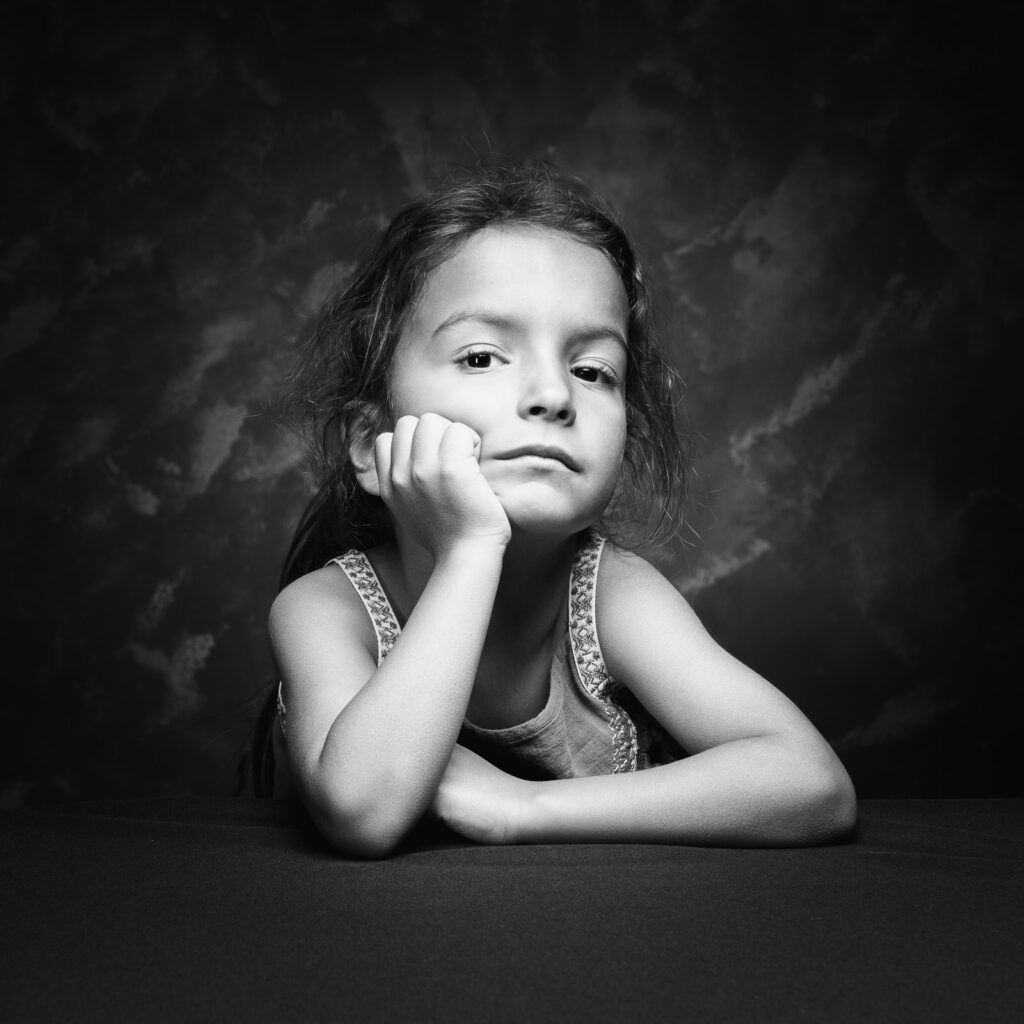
{"x": 524, "y": 270}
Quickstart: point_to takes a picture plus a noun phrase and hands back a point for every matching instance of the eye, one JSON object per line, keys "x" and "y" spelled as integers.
{"x": 596, "y": 373}
{"x": 478, "y": 359}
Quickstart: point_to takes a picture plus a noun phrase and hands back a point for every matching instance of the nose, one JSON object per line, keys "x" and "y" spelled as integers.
{"x": 548, "y": 396}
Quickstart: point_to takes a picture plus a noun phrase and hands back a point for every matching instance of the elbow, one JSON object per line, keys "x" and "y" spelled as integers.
{"x": 829, "y": 812}
{"x": 357, "y": 828}
{"x": 363, "y": 844}
{"x": 360, "y": 837}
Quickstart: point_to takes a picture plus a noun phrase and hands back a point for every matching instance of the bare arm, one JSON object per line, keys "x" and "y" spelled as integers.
{"x": 759, "y": 773}
{"x": 368, "y": 745}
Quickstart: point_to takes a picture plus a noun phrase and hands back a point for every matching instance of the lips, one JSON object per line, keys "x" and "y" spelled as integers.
{"x": 543, "y": 452}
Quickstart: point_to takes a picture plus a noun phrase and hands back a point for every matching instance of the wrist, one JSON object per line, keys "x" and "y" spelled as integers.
{"x": 479, "y": 553}
{"x": 526, "y": 820}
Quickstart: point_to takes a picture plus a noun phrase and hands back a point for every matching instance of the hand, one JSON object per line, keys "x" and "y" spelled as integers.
{"x": 429, "y": 474}
{"x": 479, "y": 801}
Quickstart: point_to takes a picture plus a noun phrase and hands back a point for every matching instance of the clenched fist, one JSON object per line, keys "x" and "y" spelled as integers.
{"x": 429, "y": 475}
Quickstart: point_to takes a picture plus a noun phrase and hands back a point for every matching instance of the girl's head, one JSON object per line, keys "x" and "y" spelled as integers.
{"x": 344, "y": 383}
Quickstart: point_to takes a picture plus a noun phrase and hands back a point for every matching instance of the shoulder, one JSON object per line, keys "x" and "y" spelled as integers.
{"x": 322, "y": 600}
{"x": 617, "y": 563}
{"x": 326, "y": 586}
{"x": 639, "y": 609}
{"x": 624, "y": 575}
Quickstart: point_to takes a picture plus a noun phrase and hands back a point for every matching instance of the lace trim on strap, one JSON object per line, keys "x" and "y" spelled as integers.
{"x": 360, "y": 572}
{"x": 586, "y": 652}
{"x": 357, "y": 568}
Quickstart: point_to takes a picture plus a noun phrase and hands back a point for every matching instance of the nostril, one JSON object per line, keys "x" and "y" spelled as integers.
{"x": 552, "y": 411}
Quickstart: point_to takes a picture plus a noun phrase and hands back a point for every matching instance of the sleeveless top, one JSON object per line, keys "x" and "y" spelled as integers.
{"x": 590, "y": 725}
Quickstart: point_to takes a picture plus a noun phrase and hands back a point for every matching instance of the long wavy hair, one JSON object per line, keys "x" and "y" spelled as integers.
{"x": 341, "y": 382}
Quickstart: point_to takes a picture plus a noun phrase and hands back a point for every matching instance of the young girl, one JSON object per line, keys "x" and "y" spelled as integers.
{"x": 488, "y": 405}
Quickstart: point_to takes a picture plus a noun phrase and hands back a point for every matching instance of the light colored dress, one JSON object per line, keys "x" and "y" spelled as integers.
{"x": 589, "y": 725}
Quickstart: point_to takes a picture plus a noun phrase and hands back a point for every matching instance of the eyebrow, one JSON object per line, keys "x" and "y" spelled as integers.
{"x": 583, "y": 332}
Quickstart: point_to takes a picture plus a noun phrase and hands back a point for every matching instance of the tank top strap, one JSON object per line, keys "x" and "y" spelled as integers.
{"x": 586, "y": 650}
{"x": 361, "y": 575}
{"x": 360, "y": 572}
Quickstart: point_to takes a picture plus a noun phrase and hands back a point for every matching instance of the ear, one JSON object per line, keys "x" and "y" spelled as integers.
{"x": 366, "y": 421}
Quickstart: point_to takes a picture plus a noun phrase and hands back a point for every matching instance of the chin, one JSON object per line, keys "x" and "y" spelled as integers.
{"x": 543, "y": 510}
{"x": 548, "y": 521}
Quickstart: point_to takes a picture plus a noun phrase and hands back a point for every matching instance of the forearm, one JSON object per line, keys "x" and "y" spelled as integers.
{"x": 384, "y": 754}
{"x": 748, "y": 792}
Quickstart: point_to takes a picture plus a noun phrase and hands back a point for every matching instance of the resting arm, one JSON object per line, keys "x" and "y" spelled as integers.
{"x": 758, "y": 772}
{"x": 367, "y": 746}
{"x": 751, "y": 792}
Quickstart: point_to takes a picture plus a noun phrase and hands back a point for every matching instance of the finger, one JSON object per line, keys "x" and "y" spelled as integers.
{"x": 459, "y": 443}
{"x": 401, "y": 449}
{"x": 436, "y": 419}
{"x": 426, "y": 442}
{"x": 382, "y": 447}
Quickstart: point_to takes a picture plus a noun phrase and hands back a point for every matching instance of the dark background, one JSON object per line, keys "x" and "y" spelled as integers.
{"x": 830, "y": 202}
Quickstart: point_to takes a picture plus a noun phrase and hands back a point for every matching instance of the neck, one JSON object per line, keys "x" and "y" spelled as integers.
{"x": 534, "y": 578}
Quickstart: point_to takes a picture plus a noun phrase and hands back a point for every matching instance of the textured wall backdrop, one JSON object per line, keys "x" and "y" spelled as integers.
{"x": 828, "y": 198}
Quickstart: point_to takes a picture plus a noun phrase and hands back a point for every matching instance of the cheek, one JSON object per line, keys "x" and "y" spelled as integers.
{"x": 616, "y": 436}
{"x": 618, "y": 461}
{"x": 414, "y": 398}
{"x": 443, "y": 399}
{"x": 617, "y": 456}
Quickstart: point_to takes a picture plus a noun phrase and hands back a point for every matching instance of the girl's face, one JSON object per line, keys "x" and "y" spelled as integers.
{"x": 521, "y": 335}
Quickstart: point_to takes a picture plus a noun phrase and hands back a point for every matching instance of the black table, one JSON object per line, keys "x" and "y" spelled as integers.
{"x": 209, "y": 909}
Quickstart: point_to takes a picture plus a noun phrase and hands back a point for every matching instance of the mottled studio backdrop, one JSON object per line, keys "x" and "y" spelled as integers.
{"x": 829, "y": 200}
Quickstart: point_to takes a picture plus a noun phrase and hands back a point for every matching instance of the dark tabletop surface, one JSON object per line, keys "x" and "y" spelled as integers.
{"x": 218, "y": 909}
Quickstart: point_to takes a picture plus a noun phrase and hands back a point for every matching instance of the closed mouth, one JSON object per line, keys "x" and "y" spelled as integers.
{"x": 542, "y": 452}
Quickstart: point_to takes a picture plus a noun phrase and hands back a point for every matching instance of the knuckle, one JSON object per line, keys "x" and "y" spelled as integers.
{"x": 420, "y": 475}
{"x": 450, "y": 472}
{"x": 460, "y": 431}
